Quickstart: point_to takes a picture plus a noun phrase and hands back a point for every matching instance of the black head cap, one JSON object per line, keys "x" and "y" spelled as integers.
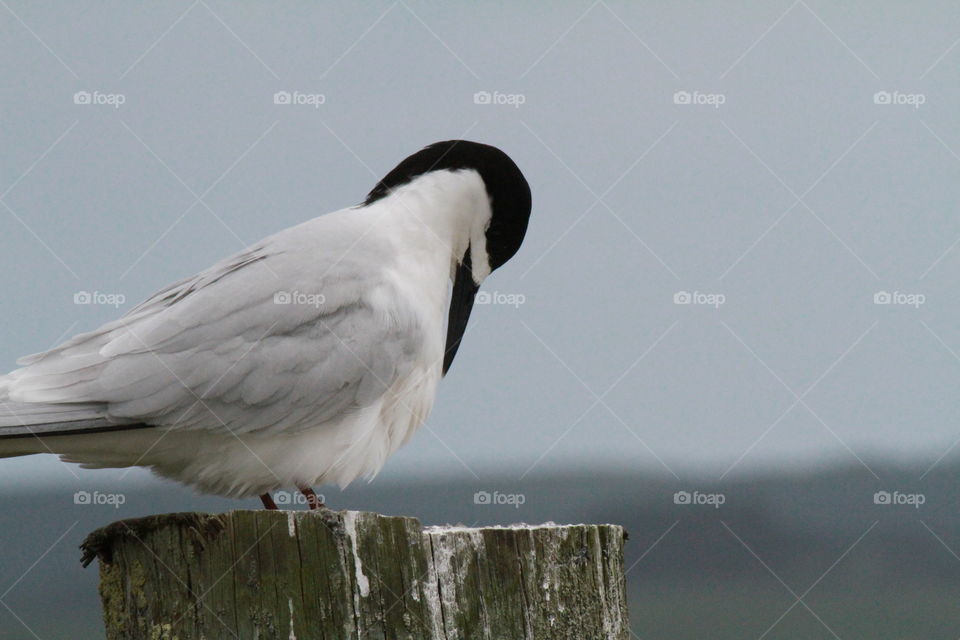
{"x": 507, "y": 189}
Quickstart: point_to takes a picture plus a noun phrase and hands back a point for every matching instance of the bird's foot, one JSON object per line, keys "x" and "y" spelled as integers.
{"x": 313, "y": 500}
{"x": 268, "y": 502}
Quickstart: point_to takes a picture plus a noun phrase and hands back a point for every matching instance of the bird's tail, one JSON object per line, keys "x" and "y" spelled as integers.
{"x": 24, "y": 424}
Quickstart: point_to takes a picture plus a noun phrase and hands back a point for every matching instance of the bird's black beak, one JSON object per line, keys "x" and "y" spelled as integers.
{"x": 461, "y": 304}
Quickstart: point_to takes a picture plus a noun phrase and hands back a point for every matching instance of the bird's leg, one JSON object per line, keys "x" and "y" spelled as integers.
{"x": 313, "y": 500}
{"x": 268, "y": 502}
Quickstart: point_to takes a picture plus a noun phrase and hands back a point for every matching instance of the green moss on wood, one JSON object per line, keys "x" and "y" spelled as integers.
{"x": 99, "y": 543}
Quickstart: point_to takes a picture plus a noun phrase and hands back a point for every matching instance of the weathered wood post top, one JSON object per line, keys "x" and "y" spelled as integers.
{"x": 323, "y": 574}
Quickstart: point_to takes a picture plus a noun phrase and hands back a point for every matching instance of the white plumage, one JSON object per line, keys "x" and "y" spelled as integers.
{"x": 307, "y": 358}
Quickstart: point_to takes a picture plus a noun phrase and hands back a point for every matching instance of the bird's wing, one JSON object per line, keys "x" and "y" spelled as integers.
{"x": 290, "y": 333}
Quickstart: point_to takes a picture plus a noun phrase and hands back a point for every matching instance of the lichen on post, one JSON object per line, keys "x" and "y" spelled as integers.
{"x": 324, "y": 574}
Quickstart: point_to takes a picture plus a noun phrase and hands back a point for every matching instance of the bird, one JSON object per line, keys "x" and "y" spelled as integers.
{"x": 305, "y": 359}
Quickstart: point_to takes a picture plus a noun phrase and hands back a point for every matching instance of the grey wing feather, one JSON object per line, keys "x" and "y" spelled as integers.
{"x": 216, "y": 350}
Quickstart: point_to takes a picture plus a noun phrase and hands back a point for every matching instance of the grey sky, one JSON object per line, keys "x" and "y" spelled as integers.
{"x": 797, "y": 199}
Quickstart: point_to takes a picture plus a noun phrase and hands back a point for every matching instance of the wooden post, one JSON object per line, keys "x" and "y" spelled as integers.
{"x": 323, "y": 574}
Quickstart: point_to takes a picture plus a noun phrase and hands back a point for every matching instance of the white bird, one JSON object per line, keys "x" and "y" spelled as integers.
{"x": 307, "y": 358}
